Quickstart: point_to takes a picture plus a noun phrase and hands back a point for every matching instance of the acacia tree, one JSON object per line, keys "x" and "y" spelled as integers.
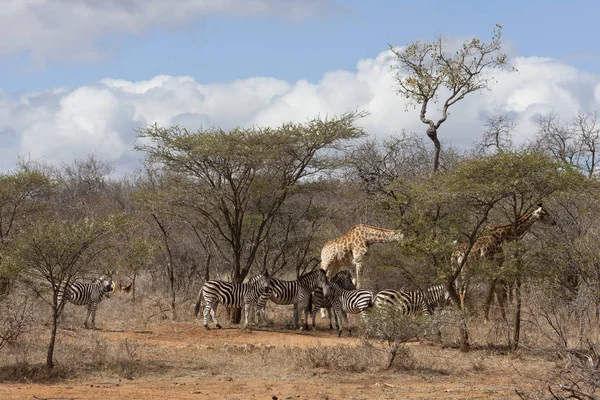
{"x": 53, "y": 253}
{"x": 423, "y": 69}
{"x": 22, "y": 196}
{"x": 238, "y": 180}
{"x": 454, "y": 207}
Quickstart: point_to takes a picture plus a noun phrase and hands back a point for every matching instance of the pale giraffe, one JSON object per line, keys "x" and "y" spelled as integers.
{"x": 488, "y": 247}
{"x": 352, "y": 248}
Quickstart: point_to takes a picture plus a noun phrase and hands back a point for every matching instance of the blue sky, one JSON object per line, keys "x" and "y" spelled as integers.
{"x": 78, "y": 76}
{"x": 218, "y": 48}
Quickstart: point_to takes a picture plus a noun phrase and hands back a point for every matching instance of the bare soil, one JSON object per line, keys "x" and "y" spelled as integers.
{"x": 180, "y": 360}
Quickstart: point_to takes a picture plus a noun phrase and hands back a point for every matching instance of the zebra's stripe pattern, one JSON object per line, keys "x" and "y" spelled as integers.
{"x": 344, "y": 279}
{"x": 89, "y": 294}
{"x": 235, "y": 295}
{"x": 348, "y": 301}
{"x": 414, "y": 301}
{"x": 296, "y": 292}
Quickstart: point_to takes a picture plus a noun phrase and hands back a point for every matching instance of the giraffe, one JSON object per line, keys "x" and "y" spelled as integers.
{"x": 352, "y": 248}
{"x": 488, "y": 247}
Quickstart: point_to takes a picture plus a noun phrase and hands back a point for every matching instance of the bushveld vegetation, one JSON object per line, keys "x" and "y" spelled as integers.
{"x": 226, "y": 204}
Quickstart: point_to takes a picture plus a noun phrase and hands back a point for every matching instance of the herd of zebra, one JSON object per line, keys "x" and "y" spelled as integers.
{"x": 309, "y": 293}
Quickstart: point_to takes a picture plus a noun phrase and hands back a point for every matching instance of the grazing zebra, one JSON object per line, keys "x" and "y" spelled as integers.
{"x": 318, "y": 300}
{"x": 296, "y": 292}
{"x": 233, "y": 295}
{"x": 88, "y": 293}
{"x": 348, "y": 301}
{"x": 414, "y": 301}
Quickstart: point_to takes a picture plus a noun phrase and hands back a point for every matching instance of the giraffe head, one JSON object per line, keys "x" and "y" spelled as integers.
{"x": 542, "y": 215}
{"x": 398, "y": 236}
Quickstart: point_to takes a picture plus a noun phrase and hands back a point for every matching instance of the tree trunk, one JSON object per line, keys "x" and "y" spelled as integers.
{"x": 517, "y": 331}
{"x": 464, "y": 334}
{"x": 432, "y": 134}
{"x": 50, "y": 354}
{"x": 172, "y": 287}
{"x": 462, "y": 325}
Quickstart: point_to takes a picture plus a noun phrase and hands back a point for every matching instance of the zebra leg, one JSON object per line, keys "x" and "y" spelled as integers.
{"x": 303, "y": 306}
{"x": 345, "y": 316}
{"x": 246, "y": 310}
{"x": 337, "y": 325}
{"x": 313, "y": 314}
{"x": 91, "y": 310}
{"x": 338, "y": 317}
{"x": 212, "y": 308}
{"x": 207, "y": 310}
{"x": 213, "y": 314}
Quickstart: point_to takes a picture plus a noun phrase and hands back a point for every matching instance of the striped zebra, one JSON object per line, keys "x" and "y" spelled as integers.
{"x": 414, "y": 301}
{"x": 88, "y": 293}
{"x": 235, "y": 295}
{"x": 296, "y": 292}
{"x": 318, "y": 301}
{"x": 348, "y": 301}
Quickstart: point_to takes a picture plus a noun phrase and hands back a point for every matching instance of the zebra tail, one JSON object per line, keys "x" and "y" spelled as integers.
{"x": 198, "y": 301}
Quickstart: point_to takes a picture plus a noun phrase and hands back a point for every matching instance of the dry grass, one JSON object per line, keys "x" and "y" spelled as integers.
{"x": 139, "y": 341}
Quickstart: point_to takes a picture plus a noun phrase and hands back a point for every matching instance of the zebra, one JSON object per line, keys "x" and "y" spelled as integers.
{"x": 348, "y": 301}
{"x": 88, "y": 293}
{"x": 344, "y": 279}
{"x": 296, "y": 292}
{"x": 234, "y": 295}
{"x": 411, "y": 302}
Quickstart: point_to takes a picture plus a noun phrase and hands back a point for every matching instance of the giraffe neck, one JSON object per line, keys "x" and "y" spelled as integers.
{"x": 507, "y": 233}
{"x": 371, "y": 234}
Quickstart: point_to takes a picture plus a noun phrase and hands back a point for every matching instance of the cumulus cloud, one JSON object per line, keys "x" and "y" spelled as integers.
{"x": 74, "y": 29}
{"x": 101, "y": 119}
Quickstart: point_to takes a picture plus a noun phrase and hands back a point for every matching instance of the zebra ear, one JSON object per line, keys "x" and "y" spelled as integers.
{"x": 266, "y": 273}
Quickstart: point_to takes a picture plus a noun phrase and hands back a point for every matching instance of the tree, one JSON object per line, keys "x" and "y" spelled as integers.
{"x": 22, "y": 196}
{"x": 454, "y": 206}
{"x": 54, "y": 253}
{"x": 423, "y": 69}
{"x": 238, "y": 180}
{"x": 498, "y": 134}
{"x": 575, "y": 142}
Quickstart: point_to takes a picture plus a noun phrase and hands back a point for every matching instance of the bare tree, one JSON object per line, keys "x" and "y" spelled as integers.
{"x": 497, "y": 135}
{"x": 423, "y": 69}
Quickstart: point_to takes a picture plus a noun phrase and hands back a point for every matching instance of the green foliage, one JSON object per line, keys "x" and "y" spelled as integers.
{"x": 56, "y": 251}
{"x": 236, "y": 181}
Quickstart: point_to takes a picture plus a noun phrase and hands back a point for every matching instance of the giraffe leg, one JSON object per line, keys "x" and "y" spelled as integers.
{"x": 501, "y": 295}
{"x": 489, "y": 298}
{"x": 357, "y": 259}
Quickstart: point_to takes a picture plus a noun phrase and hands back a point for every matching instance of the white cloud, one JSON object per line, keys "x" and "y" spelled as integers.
{"x": 60, "y": 125}
{"x": 74, "y": 29}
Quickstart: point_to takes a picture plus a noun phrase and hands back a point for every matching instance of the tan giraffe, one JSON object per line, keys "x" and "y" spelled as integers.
{"x": 352, "y": 248}
{"x": 488, "y": 247}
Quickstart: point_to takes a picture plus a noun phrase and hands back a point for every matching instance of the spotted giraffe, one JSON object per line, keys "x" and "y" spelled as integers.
{"x": 488, "y": 247}
{"x": 351, "y": 248}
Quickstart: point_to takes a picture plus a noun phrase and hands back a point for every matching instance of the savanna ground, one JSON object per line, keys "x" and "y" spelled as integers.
{"x": 139, "y": 353}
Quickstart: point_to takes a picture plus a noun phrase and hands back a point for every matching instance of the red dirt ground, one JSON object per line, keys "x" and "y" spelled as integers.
{"x": 186, "y": 340}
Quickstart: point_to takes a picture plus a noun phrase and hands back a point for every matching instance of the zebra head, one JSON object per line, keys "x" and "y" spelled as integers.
{"x": 322, "y": 277}
{"x": 107, "y": 282}
{"x": 344, "y": 279}
{"x": 264, "y": 280}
